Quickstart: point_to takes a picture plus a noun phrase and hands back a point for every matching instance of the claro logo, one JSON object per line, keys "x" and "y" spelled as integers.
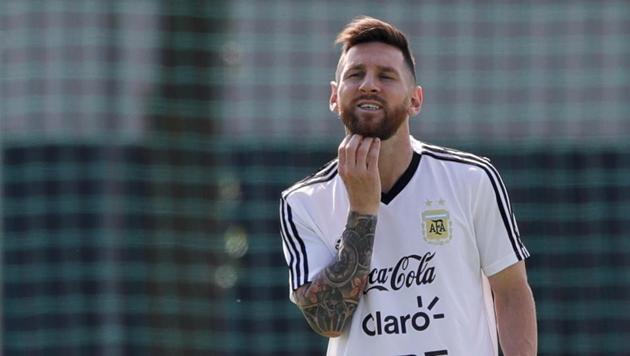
{"x": 412, "y": 270}
{"x": 379, "y": 324}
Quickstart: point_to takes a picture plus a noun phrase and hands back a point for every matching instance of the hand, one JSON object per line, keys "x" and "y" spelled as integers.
{"x": 358, "y": 168}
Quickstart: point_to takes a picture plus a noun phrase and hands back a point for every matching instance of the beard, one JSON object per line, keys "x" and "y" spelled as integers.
{"x": 373, "y": 126}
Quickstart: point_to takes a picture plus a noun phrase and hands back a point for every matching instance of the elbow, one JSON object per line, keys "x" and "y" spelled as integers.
{"x": 326, "y": 333}
{"x": 326, "y": 325}
{"x": 325, "y": 320}
{"x": 333, "y": 334}
{"x": 331, "y": 328}
{"x": 329, "y": 333}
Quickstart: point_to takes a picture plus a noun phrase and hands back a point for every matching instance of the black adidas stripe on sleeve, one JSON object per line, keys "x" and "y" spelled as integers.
{"x": 500, "y": 191}
{"x": 298, "y": 264}
{"x": 324, "y": 174}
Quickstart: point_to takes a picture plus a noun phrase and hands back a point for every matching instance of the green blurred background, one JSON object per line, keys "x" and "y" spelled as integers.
{"x": 145, "y": 144}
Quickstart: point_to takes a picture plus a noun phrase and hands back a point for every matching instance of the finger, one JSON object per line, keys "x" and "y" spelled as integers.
{"x": 341, "y": 151}
{"x": 351, "y": 150}
{"x": 372, "y": 155}
{"x": 362, "y": 152}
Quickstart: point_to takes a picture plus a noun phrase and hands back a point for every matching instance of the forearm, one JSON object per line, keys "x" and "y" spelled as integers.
{"x": 329, "y": 301}
{"x": 516, "y": 315}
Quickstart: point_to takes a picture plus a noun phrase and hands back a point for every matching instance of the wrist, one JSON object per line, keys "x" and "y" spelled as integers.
{"x": 364, "y": 210}
{"x": 364, "y": 221}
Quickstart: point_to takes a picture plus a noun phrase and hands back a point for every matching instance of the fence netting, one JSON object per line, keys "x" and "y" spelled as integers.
{"x": 145, "y": 145}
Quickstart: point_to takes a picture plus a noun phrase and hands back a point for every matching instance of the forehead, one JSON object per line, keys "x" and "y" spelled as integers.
{"x": 374, "y": 54}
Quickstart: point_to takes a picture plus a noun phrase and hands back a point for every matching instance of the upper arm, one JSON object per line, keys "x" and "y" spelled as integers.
{"x": 515, "y": 310}
{"x": 304, "y": 250}
{"x": 510, "y": 280}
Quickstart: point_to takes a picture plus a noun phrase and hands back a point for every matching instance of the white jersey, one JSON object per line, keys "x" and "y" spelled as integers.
{"x": 445, "y": 226}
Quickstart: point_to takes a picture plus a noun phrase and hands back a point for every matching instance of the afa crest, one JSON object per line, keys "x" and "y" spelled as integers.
{"x": 436, "y": 226}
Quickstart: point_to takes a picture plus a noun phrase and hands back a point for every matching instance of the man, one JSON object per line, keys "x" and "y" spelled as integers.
{"x": 399, "y": 247}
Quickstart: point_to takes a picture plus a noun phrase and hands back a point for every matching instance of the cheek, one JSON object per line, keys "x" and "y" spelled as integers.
{"x": 344, "y": 89}
{"x": 348, "y": 86}
{"x": 343, "y": 96}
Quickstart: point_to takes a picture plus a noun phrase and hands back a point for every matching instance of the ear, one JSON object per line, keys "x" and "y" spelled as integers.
{"x": 416, "y": 101}
{"x": 332, "y": 102}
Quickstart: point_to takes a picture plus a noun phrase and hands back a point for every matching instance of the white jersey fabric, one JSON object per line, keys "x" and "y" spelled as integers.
{"x": 445, "y": 226}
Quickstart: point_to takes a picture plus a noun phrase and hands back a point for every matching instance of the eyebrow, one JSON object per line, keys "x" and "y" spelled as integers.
{"x": 382, "y": 68}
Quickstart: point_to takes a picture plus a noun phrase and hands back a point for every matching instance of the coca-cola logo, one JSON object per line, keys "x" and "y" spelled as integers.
{"x": 409, "y": 271}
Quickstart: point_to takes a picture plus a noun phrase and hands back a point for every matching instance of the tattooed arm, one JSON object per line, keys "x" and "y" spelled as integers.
{"x": 329, "y": 301}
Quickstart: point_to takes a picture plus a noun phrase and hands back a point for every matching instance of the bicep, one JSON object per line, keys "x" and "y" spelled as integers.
{"x": 509, "y": 280}
{"x": 515, "y": 310}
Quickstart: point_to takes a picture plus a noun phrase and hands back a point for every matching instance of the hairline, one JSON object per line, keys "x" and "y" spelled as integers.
{"x": 343, "y": 55}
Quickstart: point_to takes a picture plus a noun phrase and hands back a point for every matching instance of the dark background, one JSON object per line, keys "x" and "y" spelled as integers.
{"x": 145, "y": 144}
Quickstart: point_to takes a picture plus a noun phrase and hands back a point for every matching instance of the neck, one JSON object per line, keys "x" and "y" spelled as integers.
{"x": 394, "y": 158}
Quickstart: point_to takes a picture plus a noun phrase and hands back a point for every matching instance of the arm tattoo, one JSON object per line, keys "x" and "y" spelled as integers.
{"x": 329, "y": 301}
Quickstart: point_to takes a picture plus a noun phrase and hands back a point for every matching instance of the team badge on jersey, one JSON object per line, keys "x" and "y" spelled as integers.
{"x": 436, "y": 226}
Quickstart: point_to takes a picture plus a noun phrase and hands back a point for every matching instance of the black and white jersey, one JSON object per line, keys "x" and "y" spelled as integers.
{"x": 445, "y": 226}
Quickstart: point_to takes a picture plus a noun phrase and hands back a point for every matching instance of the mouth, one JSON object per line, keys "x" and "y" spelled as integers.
{"x": 369, "y": 106}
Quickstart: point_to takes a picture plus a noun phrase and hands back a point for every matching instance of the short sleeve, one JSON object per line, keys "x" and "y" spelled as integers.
{"x": 497, "y": 235}
{"x": 305, "y": 252}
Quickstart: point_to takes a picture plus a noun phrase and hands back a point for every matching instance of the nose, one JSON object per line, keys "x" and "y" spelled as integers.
{"x": 369, "y": 85}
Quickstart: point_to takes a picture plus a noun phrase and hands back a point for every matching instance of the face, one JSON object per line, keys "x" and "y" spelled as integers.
{"x": 375, "y": 94}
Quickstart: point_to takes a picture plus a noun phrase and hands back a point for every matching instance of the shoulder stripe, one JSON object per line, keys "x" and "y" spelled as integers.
{"x": 299, "y": 240}
{"x": 289, "y": 245}
{"x": 455, "y": 152}
{"x": 321, "y": 171}
{"x": 505, "y": 215}
{"x": 298, "y": 264}
{"x": 482, "y": 160}
{"x": 326, "y": 173}
{"x": 497, "y": 185}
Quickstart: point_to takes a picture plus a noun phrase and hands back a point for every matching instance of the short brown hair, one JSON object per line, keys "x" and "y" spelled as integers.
{"x": 368, "y": 29}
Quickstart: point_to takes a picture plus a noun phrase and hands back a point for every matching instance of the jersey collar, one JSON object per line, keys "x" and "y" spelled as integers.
{"x": 404, "y": 179}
